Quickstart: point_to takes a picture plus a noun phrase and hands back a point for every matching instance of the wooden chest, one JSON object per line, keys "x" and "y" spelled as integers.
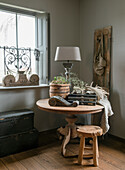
{"x": 12, "y": 122}
{"x": 15, "y": 143}
{"x": 17, "y": 132}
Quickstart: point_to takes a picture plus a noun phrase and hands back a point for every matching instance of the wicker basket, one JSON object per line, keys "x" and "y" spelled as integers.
{"x": 59, "y": 90}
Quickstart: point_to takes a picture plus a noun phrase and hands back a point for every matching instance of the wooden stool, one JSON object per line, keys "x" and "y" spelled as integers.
{"x": 92, "y": 132}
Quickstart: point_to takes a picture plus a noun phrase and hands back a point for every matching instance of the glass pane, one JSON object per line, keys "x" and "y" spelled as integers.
{"x": 10, "y": 60}
{"x": 33, "y": 63}
{"x": 1, "y": 65}
{"x": 26, "y": 31}
{"x": 7, "y": 29}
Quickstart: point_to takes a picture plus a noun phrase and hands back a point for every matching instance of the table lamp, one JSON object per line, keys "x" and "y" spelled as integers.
{"x": 67, "y": 54}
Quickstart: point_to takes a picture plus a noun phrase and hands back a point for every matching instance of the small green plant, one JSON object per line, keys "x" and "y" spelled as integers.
{"x": 75, "y": 81}
{"x": 59, "y": 80}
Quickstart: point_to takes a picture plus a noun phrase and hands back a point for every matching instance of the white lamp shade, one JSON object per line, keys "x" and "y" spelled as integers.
{"x": 67, "y": 53}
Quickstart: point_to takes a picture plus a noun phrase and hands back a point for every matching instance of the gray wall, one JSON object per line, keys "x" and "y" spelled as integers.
{"x": 64, "y": 30}
{"x": 15, "y": 99}
{"x": 98, "y": 14}
{"x": 73, "y": 23}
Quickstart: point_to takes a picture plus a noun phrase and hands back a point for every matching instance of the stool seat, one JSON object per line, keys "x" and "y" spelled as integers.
{"x": 85, "y": 132}
{"x": 90, "y": 130}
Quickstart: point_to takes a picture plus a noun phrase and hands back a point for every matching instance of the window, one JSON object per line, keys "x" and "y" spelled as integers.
{"x": 23, "y": 43}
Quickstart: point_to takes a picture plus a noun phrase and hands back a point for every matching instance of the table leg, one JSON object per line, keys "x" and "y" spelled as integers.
{"x": 69, "y": 132}
{"x": 65, "y": 141}
{"x": 71, "y": 124}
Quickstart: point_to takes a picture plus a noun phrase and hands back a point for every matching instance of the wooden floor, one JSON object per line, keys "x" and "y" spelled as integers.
{"x": 47, "y": 156}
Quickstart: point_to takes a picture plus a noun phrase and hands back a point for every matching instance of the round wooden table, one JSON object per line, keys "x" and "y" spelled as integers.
{"x": 71, "y": 117}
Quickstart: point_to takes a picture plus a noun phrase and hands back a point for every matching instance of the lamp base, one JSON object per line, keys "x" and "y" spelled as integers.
{"x": 67, "y": 67}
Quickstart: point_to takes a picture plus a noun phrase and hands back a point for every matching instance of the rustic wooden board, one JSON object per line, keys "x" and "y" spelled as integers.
{"x": 80, "y": 109}
{"x": 102, "y": 57}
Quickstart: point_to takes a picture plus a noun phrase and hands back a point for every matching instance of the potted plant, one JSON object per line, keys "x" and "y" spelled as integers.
{"x": 59, "y": 87}
{"x": 77, "y": 85}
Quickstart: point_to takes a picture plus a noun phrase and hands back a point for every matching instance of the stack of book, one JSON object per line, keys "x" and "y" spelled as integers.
{"x": 84, "y": 99}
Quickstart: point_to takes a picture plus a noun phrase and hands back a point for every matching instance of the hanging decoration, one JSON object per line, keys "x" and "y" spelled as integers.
{"x": 102, "y": 57}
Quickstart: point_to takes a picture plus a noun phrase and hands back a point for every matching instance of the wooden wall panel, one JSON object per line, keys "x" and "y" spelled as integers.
{"x": 102, "y": 57}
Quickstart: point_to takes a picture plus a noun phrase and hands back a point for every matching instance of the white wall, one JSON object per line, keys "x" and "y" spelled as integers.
{"x": 98, "y": 14}
{"x": 64, "y": 30}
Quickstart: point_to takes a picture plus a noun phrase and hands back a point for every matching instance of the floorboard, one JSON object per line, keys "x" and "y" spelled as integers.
{"x": 48, "y": 157}
{"x": 11, "y": 163}
{"x": 2, "y": 166}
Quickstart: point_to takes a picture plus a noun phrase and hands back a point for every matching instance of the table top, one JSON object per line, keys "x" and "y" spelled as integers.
{"x": 80, "y": 109}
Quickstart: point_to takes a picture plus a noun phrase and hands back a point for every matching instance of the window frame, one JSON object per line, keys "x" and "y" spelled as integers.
{"x": 44, "y": 70}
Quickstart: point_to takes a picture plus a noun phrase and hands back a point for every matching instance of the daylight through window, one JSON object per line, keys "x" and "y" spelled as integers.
{"x": 23, "y": 44}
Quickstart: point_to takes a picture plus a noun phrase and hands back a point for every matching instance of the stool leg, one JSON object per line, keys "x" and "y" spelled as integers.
{"x": 95, "y": 151}
{"x": 81, "y": 149}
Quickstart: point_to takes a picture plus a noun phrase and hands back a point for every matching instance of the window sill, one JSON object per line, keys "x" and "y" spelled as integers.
{"x": 24, "y": 87}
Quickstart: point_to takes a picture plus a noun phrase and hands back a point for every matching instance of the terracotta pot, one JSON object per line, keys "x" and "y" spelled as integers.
{"x": 59, "y": 90}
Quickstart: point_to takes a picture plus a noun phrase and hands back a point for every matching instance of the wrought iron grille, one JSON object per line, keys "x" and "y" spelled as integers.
{"x": 18, "y": 59}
